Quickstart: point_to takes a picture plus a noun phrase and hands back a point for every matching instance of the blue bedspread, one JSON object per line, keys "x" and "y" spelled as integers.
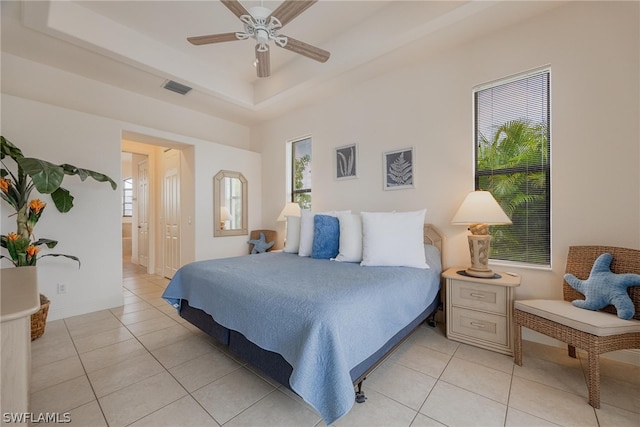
{"x": 324, "y": 317}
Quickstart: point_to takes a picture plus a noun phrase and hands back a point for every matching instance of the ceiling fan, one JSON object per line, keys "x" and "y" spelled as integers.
{"x": 262, "y": 25}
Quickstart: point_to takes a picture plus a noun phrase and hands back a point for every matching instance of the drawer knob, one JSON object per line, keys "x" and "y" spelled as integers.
{"x": 477, "y": 295}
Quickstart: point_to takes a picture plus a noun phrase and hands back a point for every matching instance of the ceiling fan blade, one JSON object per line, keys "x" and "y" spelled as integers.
{"x": 235, "y": 7}
{"x": 290, "y": 9}
{"x": 212, "y": 38}
{"x": 307, "y": 50}
{"x": 263, "y": 63}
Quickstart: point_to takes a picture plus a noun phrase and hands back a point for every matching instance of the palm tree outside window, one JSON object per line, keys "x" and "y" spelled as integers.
{"x": 301, "y": 172}
{"x": 512, "y": 161}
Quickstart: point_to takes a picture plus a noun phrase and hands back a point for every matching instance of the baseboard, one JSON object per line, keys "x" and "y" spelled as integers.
{"x": 56, "y": 314}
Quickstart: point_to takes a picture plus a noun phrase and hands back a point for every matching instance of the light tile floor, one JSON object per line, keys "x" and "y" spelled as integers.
{"x": 142, "y": 365}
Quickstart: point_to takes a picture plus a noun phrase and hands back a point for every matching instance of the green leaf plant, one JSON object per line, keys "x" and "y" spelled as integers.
{"x": 15, "y": 189}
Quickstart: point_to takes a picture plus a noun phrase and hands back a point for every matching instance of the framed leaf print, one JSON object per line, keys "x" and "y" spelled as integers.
{"x": 398, "y": 169}
{"x": 346, "y": 162}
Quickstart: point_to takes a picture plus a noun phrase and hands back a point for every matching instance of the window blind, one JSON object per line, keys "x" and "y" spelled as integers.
{"x": 301, "y": 173}
{"x": 512, "y": 159}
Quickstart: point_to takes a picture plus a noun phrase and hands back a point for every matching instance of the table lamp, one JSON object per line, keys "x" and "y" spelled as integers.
{"x": 479, "y": 210}
{"x": 225, "y": 215}
{"x": 290, "y": 209}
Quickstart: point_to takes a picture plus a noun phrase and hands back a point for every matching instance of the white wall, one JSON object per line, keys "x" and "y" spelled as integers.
{"x": 593, "y": 49}
{"x": 209, "y": 160}
{"x": 92, "y": 229}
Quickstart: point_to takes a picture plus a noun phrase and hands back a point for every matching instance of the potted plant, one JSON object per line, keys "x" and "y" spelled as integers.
{"x": 15, "y": 188}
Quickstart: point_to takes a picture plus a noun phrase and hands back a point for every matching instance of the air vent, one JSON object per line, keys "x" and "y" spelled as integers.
{"x": 176, "y": 87}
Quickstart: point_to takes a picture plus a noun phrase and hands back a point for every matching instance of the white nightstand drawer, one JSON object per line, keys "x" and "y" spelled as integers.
{"x": 479, "y": 296}
{"x": 479, "y": 325}
{"x": 479, "y": 310}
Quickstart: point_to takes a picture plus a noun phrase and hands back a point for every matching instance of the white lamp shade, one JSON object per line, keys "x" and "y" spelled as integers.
{"x": 225, "y": 215}
{"x": 290, "y": 209}
{"x": 479, "y": 207}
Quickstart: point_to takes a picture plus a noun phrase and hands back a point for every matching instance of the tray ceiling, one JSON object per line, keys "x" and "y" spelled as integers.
{"x": 138, "y": 45}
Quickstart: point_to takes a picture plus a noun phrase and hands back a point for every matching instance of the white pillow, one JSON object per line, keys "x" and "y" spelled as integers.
{"x": 350, "y": 238}
{"x": 306, "y": 230}
{"x": 292, "y": 239}
{"x": 393, "y": 239}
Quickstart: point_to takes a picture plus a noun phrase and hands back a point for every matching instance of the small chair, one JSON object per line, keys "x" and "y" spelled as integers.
{"x": 269, "y": 236}
{"x": 595, "y": 332}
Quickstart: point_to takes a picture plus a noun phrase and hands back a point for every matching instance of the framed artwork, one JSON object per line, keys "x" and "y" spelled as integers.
{"x": 346, "y": 162}
{"x": 398, "y": 169}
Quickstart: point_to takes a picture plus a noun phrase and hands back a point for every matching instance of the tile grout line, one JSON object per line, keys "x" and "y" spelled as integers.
{"x": 241, "y": 366}
{"x": 86, "y": 374}
{"x": 188, "y": 393}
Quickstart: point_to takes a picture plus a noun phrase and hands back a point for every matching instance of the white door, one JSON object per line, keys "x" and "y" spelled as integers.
{"x": 171, "y": 212}
{"x": 143, "y": 213}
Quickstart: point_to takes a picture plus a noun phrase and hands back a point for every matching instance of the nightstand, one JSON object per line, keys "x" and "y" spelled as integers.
{"x": 479, "y": 311}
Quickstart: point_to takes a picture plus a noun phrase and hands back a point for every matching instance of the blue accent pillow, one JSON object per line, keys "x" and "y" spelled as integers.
{"x": 604, "y": 287}
{"x": 326, "y": 237}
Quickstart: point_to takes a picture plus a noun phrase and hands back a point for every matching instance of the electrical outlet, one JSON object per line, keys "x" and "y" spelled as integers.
{"x": 62, "y": 288}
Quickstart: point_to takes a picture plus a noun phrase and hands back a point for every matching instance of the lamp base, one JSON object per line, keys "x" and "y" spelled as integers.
{"x": 479, "y": 250}
{"x": 487, "y": 274}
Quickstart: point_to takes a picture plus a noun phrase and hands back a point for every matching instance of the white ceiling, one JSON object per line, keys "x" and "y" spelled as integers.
{"x": 138, "y": 45}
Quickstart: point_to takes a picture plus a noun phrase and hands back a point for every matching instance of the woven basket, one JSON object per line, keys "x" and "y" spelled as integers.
{"x": 39, "y": 318}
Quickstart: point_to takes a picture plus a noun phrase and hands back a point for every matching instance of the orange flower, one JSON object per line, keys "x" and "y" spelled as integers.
{"x": 32, "y": 250}
{"x": 4, "y": 185}
{"x": 12, "y": 236}
{"x": 37, "y": 205}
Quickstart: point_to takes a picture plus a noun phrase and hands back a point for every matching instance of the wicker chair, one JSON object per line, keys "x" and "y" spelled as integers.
{"x": 269, "y": 236}
{"x": 595, "y": 332}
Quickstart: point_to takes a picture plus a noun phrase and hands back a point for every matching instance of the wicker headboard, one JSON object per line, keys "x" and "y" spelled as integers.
{"x": 433, "y": 236}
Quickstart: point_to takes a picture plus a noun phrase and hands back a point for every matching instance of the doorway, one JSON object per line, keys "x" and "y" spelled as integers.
{"x": 146, "y": 218}
{"x": 135, "y": 208}
{"x": 163, "y": 203}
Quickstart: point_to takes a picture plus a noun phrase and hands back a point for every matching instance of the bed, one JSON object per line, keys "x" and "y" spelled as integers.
{"x": 316, "y": 326}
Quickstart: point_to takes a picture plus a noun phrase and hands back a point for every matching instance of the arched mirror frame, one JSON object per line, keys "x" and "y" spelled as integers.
{"x": 218, "y": 189}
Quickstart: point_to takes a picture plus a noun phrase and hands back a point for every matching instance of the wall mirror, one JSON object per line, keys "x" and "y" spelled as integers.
{"x": 230, "y": 204}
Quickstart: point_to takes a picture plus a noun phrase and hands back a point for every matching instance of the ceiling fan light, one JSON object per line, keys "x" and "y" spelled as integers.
{"x": 262, "y": 36}
{"x": 262, "y": 25}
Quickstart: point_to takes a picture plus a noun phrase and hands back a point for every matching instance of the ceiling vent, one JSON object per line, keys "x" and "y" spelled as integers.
{"x": 176, "y": 87}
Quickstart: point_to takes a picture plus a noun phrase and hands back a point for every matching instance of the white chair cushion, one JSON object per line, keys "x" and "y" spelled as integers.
{"x": 597, "y": 323}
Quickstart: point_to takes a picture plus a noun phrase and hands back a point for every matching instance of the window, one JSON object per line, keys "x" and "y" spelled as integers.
{"x": 301, "y": 173}
{"x": 127, "y": 197}
{"x": 512, "y": 159}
